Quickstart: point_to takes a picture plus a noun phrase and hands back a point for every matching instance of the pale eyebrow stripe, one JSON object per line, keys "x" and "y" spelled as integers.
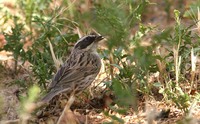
{"x": 85, "y": 37}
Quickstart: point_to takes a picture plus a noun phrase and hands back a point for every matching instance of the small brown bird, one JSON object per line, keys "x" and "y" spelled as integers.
{"x": 79, "y": 70}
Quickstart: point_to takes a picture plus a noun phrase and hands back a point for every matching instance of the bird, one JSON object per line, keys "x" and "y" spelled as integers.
{"x": 79, "y": 70}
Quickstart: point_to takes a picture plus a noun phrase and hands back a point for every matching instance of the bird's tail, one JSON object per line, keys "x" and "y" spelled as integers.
{"x": 48, "y": 97}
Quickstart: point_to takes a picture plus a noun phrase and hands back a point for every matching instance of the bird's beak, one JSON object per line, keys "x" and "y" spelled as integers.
{"x": 99, "y": 38}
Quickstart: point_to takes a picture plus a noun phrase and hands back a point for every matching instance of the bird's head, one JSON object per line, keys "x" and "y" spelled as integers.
{"x": 88, "y": 42}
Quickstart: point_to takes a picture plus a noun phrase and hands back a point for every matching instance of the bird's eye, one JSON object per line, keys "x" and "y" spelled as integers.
{"x": 85, "y": 42}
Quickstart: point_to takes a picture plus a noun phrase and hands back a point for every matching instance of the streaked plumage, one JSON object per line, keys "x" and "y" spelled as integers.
{"x": 79, "y": 71}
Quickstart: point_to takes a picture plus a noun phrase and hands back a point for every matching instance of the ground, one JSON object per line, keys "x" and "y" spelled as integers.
{"x": 93, "y": 109}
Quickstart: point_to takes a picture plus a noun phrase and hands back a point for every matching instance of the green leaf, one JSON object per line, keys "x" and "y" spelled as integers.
{"x": 157, "y": 84}
{"x": 115, "y": 65}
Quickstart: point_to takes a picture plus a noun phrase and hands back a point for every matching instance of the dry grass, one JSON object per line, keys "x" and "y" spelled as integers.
{"x": 90, "y": 109}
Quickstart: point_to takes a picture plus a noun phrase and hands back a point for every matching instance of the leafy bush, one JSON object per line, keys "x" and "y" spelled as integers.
{"x": 129, "y": 63}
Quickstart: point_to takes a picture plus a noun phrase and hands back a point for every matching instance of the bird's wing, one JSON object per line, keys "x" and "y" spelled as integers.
{"x": 66, "y": 75}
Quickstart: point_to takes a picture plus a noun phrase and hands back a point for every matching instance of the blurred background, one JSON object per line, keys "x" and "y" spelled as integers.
{"x": 150, "y": 56}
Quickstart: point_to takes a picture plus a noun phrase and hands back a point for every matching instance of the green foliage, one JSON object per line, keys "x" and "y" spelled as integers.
{"x": 27, "y": 104}
{"x": 192, "y": 12}
{"x": 32, "y": 94}
{"x": 39, "y": 55}
{"x": 181, "y": 44}
{"x": 15, "y": 43}
{"x": 174, "y": 92}
{"x": 123, "y": 93}
{"x": 31, "y": 8}
{"x": 128, "y": 62}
